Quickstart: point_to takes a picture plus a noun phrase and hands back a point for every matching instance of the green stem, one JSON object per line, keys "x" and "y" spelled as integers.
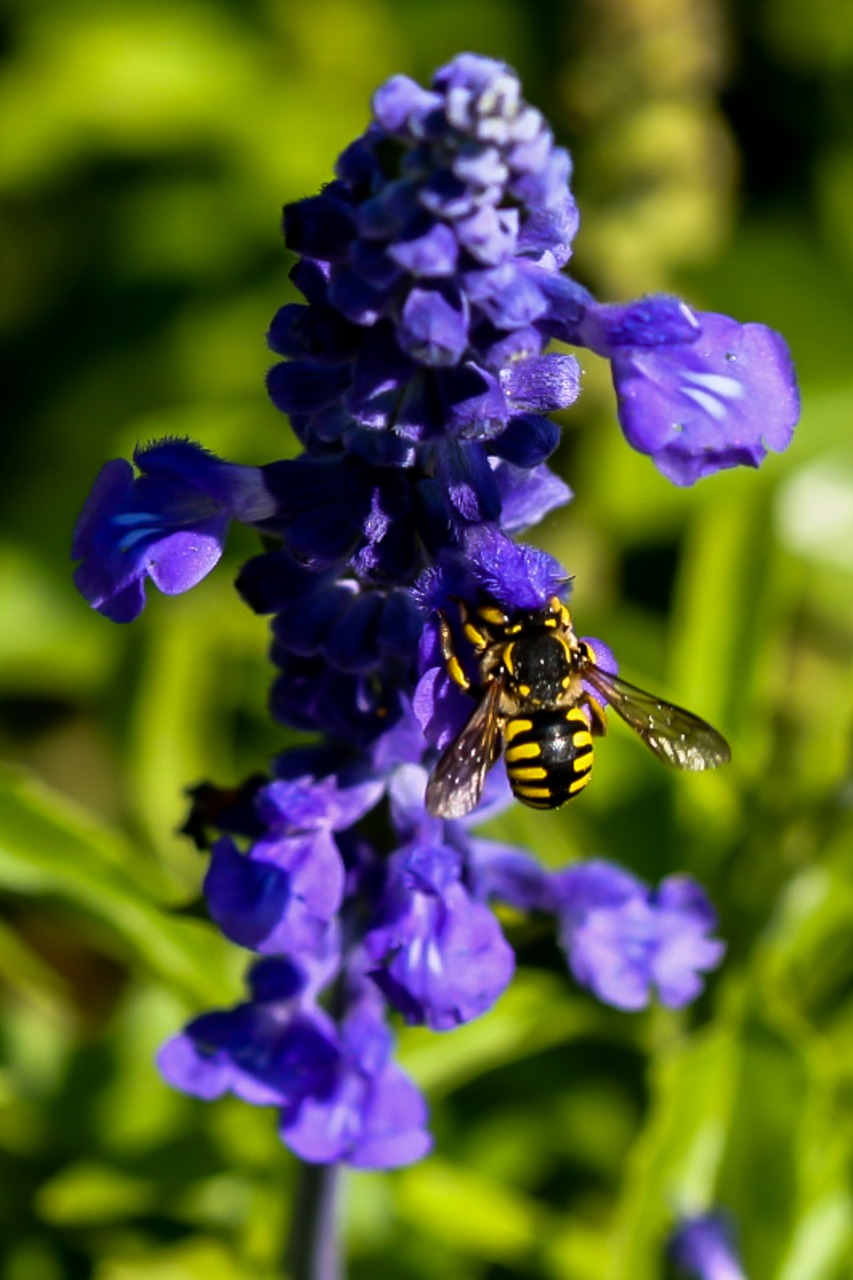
{"x": 314, "y": 1251}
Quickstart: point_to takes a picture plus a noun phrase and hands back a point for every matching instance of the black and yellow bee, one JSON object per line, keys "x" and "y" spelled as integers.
{"x": 535, "y": 705}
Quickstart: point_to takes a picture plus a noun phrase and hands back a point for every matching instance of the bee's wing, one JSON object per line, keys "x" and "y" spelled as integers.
{"x": 676, "y": 736}
{"x": 458, "y": 778}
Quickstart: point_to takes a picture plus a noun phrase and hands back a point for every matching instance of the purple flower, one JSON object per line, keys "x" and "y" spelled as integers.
{"x": 279, "y": 898}
{"x": 269, "y": 1051}
{"x": 443, "y": 959}
{"x": 528, "y": 496}
{"x": 168, "y": 523}
{"x": 513, "y": 574}
{"x": 341, "y": 1097}
{"x": 506, "y": 873}
{"x": 282, "y": 896}
{"x": 313, "y": 800}
{"x": 441, "y": 956}
{"x": 698, "y": 392}
{"x": 369, "y": 1115}
{"x": 703, "y": 1248}
{"x": 622, "y": 938}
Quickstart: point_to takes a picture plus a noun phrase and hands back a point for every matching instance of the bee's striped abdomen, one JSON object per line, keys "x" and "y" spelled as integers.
{"x": 548, "y": 756}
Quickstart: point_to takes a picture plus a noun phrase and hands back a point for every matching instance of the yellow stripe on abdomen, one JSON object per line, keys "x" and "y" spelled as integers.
{"x": 524, "y": 751}
{"x": 579, "y": 783}
{"x": 532, "y": 793}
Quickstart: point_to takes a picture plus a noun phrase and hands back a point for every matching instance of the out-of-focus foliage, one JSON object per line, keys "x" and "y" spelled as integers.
{"x": 146, "y": 150}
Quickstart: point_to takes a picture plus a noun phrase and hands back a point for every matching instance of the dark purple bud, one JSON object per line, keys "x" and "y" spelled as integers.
{"x": 468, "y": 481}
{"x": 489, "y": 235}
{"x": 474, "y": 401}
{"x": 527, "y": 441}
{"x": 508, "y": 295}
{"x": 319, "y": 227}
{"x": 546, "y": 235}
{"x": 313, "y": 333}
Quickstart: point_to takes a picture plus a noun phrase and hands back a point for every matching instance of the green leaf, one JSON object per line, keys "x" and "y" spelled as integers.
{"x": 477, "y": 1214}
{"x": 89, "y": 1193}
{"x": 535, "y": 1013}
{"x": 48, "y": 847}
{"x": 676, "y": 1160}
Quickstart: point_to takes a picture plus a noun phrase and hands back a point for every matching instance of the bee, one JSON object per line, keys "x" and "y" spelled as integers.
{"x": 541, "y": 699}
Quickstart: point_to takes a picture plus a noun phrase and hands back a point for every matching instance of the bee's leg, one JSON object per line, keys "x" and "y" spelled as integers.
{"x": 454, "y": 668}
{"x": 478, "y": 640}
{"x": 597, "y": 717}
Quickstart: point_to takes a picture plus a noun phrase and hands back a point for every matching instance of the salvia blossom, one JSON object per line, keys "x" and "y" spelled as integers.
{"x": 623, "y": 939}
{"x": 703, "y": 1248}
{"x": 417, "y": 375}
{"x": 169, "y": 523}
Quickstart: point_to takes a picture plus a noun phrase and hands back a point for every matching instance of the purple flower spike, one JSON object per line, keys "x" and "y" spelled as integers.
{"x": 703, "y": 1248}
{"x": 698, "y": 401}
{"x": 622, "y": 939}
{"x": 168, "y": 523}
{"x": 418, "y": 382}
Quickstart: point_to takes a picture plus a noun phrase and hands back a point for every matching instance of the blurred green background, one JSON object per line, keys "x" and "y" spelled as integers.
{"x": 146, "y": 150}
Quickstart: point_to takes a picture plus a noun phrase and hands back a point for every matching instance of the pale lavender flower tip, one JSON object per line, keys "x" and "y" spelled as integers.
{"x": 703, "y": 1248}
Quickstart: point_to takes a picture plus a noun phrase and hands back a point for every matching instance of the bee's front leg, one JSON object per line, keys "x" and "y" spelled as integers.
{"x": 454, "y": 667}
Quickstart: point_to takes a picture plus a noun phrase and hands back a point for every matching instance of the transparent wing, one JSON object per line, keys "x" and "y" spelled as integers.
{"x": 676, "y": 736}
{"x": 459, "y": 776}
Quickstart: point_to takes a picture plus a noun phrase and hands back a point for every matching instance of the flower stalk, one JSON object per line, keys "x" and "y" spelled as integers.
{"x": 314, "y": 1245}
